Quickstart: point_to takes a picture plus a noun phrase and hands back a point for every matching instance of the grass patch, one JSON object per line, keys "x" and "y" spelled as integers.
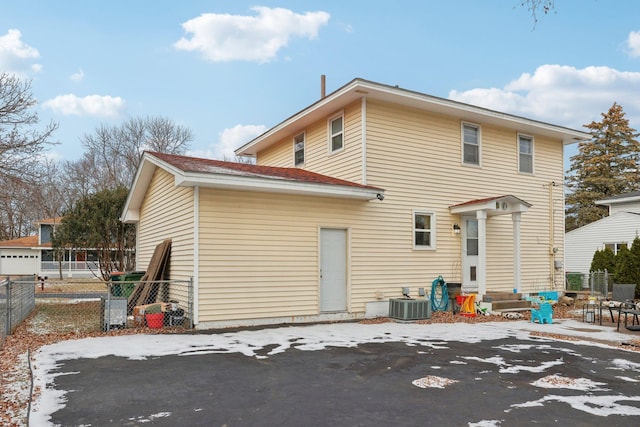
{"x": 57, "y": 317}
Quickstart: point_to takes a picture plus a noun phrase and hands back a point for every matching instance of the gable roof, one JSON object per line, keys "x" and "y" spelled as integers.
{"x": 628, "y": 218}
{"x": 358, "y": 89}
{"x": 198, "y": 172}
{"x": 497, "y": 205}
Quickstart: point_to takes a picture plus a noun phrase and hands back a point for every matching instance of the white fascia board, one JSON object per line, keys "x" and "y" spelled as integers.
{"x": 609, "y": 202}
{"x": 247, "y": 183}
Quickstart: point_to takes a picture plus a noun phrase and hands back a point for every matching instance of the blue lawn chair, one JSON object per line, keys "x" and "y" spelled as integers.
{"x": 543, "y": 314}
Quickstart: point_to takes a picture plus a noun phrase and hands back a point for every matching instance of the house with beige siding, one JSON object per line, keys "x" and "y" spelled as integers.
{"x": 371, "y": 189}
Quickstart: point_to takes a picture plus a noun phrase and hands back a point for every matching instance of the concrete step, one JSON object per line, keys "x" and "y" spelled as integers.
{"x": 502, "y": 296}
{"x": 511, "y": 305}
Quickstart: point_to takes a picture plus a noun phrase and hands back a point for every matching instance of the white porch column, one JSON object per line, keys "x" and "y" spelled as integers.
{"x": 481, "y": 276}
{"x": 515, "y": 217}
{"x": 69, "y": 273}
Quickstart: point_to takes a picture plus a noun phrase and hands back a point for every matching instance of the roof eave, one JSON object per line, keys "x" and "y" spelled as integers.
{"x": 267, "y": 185}
{"x": 358, "y": 88}
{"x": 609, "y": 202}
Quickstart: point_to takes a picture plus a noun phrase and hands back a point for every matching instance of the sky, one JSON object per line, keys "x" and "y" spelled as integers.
{"x": 229, "y": 70}
{"x": 252, "y": 343}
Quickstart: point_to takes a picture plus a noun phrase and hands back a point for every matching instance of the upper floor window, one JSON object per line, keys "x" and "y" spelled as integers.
{"x": 525, "y": 154}
{"x": 424, "y": 230}
{"x": 298, "y": 149}
{"x": 46, "y": 233}
{"x": 470, "y": 144}
{"x": 336, "y": 132}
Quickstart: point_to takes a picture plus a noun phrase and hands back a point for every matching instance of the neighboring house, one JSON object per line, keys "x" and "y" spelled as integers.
{"x": 368, "y": 190}
{"x": 618, "y": 229}
{"x": 34, "y": 255}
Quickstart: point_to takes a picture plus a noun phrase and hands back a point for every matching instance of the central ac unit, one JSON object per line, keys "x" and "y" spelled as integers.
{"x": 409, "y": 309}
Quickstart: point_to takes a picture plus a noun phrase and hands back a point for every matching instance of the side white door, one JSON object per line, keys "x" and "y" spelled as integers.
{"x": 469, "y": 252}
{"x": 333, "y": 270}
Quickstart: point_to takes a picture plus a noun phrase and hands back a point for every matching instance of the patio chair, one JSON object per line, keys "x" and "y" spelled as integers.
{"x": 620, "y": 293}
{"x": 542, "y": 315}
{"x": 629, "y": 308}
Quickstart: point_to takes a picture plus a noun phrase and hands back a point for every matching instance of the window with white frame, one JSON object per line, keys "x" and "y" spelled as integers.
{"x": 615, "y": 247}
{"x": 298, "y": 149}
{"x": 470, "y": 144}
{"x": 525, "y": 154}
{"x": 424, "y": 226}
{"x": 336, "y": 133}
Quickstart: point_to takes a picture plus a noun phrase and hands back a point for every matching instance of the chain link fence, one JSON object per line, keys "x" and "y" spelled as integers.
{"x": 17, "y": 301}
{"x": 85, "y": 305}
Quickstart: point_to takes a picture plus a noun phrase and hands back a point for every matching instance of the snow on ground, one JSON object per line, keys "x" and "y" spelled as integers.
{"x": 317, "y": 337}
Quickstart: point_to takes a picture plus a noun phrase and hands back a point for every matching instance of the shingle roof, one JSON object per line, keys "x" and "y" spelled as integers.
{"x": 23, "y": 242}
{"x": 209, "y": 166}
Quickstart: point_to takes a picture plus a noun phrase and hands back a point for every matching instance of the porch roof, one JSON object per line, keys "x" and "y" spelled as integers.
{"x": 498, "y": 205}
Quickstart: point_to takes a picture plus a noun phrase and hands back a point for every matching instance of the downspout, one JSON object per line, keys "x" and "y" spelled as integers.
{"x": 196, "y": 253}
{"x": 364, "y": 140}
{"x": 552, "y": 243}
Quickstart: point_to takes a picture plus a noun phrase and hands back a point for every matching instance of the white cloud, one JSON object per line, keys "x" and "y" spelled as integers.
{"x": 633, "y": 43}
{"x": 230, "y": 140}
{"x": 92, "y": 105}
{"x": 16, "y": 56}
{"x": 562, "y": 95}
{"x": 224, "y": 37}
{"x": 77, "y": 77}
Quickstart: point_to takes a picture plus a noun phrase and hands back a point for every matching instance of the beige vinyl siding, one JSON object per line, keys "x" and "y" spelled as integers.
{"x": 416, "y": 158}
{"x": 281, "y": 154}
{"x": 167, "y": 213}
{"x": 260, "y": 256}
{"x": 344, "y": 164}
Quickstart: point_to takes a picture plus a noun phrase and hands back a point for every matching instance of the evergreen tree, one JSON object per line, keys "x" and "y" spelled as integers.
{"x": 625, "y": 267}
{"x": 603, "y": 260}
{"x": 605, "y": 166}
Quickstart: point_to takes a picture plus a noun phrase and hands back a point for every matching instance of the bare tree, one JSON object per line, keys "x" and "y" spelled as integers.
{"x": 21, "y": 148}
{"x": 20, "y": 143}
{"x": 535, "y": 7}
{"x": 113, "y": 153}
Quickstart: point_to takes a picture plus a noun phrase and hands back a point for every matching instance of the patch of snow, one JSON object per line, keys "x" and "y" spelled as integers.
{"x": 631, "y": 380}
{"x": 486, "y": 423}
{"x": 602, "y": 406}
{"x": 624, "y": 365}
{"x": 540, "y": 368}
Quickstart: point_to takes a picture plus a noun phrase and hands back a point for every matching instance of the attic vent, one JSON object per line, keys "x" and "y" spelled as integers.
{"x": 409, "y": 309}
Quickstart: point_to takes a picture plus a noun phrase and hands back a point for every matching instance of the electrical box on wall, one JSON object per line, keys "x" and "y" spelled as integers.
{"x": 558, "y": 264}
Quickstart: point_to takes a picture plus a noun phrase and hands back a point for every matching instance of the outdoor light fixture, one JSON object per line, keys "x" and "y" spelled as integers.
{"x": 456, "y": 228}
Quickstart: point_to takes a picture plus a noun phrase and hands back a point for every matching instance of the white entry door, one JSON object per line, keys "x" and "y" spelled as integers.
{"x": 333, "y": 270}
{"x": 469, "y": 252}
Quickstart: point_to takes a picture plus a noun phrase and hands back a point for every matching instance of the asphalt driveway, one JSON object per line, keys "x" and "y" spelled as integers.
{"x": 482, "y": 379}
